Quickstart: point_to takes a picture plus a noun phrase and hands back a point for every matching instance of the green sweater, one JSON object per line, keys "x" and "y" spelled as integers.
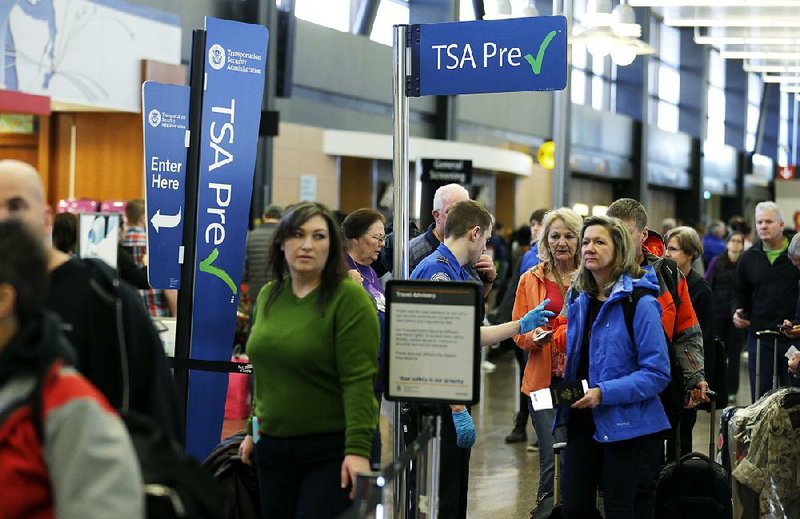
{"x": 314, "y": 371}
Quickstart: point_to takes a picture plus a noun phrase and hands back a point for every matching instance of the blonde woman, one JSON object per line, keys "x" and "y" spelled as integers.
{"x": 548, "y": 280}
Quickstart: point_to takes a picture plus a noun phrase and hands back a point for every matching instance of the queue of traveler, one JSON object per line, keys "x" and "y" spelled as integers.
{"x": 602, "y": 300}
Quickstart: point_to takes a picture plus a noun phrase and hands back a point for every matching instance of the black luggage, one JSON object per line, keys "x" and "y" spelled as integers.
{"x": 695, "y": 486}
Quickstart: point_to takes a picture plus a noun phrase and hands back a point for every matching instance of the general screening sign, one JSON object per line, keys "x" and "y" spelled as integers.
{"x": 485, "y": 56}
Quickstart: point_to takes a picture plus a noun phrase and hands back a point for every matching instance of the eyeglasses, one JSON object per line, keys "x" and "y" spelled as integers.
{"x": 380, "y": 237}
{"x": 674, "y": 249}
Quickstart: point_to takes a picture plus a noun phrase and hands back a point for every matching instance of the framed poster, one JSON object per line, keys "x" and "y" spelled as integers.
{"x": 432, "y": 341}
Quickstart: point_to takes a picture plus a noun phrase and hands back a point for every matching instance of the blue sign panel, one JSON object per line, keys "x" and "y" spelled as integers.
{"x": 479, "y": 57}
{"x": 235, "y": 68}
{"x": 165, "y": 109}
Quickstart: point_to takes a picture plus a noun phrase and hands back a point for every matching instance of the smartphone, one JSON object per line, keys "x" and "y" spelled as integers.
{"x": 544, "y": 336}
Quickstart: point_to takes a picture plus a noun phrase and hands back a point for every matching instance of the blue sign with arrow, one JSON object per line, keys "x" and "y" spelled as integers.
{"x": 165, "y": 109}
{"x": 485, "y": 56}
{"x": 235, "y": 69}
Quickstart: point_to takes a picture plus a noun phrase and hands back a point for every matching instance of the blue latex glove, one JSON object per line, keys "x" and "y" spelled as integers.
{"x": 535, "y": 318}
{"x": 465, "y": 429}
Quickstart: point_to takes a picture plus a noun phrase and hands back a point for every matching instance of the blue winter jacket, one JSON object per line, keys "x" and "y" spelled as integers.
{"x": 629, "y": 377}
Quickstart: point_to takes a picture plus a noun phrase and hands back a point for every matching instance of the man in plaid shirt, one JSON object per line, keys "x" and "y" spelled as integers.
{"x": 160, "y": 303}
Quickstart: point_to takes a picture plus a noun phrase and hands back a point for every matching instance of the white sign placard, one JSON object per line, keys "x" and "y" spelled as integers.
{"x": 308, "y": 188}
{"x": 99, "y": 236}
{"x": 432, "y": 351}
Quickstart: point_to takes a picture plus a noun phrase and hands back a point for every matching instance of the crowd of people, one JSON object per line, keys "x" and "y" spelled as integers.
{"x": 646, "y": 323}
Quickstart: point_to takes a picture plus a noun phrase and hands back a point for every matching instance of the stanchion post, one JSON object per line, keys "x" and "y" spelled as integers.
{"x": 401, "y": 44}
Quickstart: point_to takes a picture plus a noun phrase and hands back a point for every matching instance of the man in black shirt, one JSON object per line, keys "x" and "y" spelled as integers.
{"x": 117, "y": 347}
{"x": 766, "y": 294}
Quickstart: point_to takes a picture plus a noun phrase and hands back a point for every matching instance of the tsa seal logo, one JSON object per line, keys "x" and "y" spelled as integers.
{"x": 154, "y": 117}
{"x": 216, "y": 56}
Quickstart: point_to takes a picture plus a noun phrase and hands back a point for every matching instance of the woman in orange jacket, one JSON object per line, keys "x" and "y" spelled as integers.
{"x": 549, "y": 280}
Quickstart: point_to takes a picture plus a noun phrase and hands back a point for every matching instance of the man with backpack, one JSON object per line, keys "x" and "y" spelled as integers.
{"x": 103, "y": 318}
{"x": 64, "y": 452}
{"x": 688, "y": 386}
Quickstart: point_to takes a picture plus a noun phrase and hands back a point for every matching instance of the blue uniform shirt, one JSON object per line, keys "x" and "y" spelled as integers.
{"x": 440, "y": 266}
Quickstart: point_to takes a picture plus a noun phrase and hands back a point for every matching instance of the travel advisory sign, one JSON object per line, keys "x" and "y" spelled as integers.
{"x": 235, "y": 68}
{"x": 165, "y": 109}
{"x": 485, "y": 56}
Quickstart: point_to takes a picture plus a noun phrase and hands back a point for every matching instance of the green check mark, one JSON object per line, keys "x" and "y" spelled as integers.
{"x": 536, "y": 63}
{"x": 207, "y": 266}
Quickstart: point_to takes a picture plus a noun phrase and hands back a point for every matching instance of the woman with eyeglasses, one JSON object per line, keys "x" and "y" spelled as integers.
{"x": 314, "y": 349}
{"x": 683, "y": 247}
{"x": 364, "y": 236}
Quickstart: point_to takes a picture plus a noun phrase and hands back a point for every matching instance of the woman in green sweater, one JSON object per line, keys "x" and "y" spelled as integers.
{"x": 314, "y": 349}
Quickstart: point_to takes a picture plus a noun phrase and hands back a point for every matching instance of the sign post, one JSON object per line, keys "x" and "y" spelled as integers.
{"x": 235, "y": 66}
{"x": 511, "y": 55}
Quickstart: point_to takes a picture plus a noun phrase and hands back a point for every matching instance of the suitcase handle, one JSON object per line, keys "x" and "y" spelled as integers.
{"x": 695, "y": 455}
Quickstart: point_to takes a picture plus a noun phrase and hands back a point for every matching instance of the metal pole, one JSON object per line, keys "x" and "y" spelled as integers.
{"x": 794, "y": 130}
{"x": 401, "y": 214}
{"x": 561, "y": 115}
{"x": 433, "y": 467}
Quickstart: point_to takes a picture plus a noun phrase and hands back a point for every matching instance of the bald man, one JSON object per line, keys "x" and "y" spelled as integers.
{"x": 93, "y": 304}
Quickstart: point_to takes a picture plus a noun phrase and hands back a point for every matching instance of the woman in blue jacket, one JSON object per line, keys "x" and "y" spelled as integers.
{"x": 612, "y": 430}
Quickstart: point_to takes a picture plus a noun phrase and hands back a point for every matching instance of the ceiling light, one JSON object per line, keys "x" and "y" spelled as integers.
{"x": 612, "y": 32}
{"x": 778, "y": 69}
{"x": 760, "y": 54}
{"x": 781, "y": 79}
{"x": 713, "y": 3}
{"x": 754, "y": 21}
{"x": 737, "y": 40}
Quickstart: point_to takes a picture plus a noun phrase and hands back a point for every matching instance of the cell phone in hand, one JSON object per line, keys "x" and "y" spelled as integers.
{"x": 543, "y": 336}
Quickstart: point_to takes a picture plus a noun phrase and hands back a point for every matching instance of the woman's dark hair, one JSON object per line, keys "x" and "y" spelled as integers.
{"x": 723, "y": 260}
{"x": 356, "y": 224}
{"x": 65, "y": 232}
{"x": 335, "y": 268}
{"x": 23, "y": 265}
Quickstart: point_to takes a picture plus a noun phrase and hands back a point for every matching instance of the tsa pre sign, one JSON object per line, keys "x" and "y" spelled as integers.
{"x": 165, "y": 109}
{"x": 511, "y": 55}
{"x": 235, "y": 67}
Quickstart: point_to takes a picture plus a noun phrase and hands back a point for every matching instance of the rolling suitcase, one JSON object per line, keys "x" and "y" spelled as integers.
{"x": 695, "y": 486}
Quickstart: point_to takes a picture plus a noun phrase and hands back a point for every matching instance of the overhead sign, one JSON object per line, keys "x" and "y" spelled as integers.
{"x": 235, "y": 68}
{"x": 166, "y": 122}
{"x": 446, "y": 171}
{"x": 433, "y": 347}
{"x": 484, "y": 56}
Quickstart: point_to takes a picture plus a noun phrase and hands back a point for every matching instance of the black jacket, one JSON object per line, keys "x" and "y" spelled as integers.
{"x": 768, "y": 293}
{"x": 104, "y": 317}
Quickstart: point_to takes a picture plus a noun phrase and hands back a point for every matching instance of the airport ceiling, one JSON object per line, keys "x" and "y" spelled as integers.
{"x": 765, "y": 34}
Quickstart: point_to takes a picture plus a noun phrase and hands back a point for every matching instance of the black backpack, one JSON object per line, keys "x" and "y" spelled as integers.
{"x": 672, "y": 395}
{"x": 174, "y": 484}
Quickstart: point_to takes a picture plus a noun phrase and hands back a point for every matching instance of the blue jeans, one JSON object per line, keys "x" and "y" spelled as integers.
{"x": 299, "y": 477}
{"x": 767, "y": 351}
{"x": 543, "y": 425}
